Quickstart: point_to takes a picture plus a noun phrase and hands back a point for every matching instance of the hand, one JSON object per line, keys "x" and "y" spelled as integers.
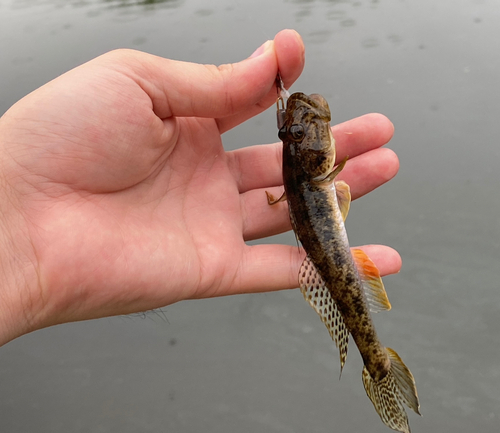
{"x": 117, "y": 195}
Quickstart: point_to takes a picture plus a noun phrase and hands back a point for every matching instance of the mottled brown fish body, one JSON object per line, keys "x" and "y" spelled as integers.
{"x": 342, "y": 285}
{"x": 320, "y": 229}
{"x": 331, "y": 255}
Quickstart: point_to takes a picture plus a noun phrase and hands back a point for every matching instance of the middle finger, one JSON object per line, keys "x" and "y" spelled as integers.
{"x": 261, "y": 167}
{"x": 363, "y": 174}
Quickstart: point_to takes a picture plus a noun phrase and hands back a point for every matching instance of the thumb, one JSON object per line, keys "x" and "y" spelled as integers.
{"x": 188, "y": 89}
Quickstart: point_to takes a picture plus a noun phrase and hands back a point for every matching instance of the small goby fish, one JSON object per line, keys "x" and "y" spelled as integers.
{"x": 340, "y": 284}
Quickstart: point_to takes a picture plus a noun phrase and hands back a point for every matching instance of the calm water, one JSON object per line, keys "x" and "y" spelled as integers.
{"x": 264, "y": 363}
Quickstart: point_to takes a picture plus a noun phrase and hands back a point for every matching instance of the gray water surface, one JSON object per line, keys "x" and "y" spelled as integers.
{"x": 264, "y": 362}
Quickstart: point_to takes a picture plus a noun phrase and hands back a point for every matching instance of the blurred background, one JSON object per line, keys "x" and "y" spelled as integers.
{"x": 265, "y": 362}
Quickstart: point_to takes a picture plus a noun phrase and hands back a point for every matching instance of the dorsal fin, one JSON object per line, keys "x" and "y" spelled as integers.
{"x": 372, "y": 283}
{"x": 319, "y": 297}
{"x": 343, "y": 197}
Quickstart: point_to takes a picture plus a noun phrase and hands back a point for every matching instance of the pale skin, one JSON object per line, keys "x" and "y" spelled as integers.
{"x": 116, "y": 195}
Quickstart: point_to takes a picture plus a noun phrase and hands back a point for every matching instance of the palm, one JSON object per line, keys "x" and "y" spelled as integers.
{"x": 156, "y": 208}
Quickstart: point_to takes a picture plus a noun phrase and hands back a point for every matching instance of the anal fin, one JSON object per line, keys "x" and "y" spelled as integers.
{"x": 320, "y": 299}
{"x": 372, "y": 283}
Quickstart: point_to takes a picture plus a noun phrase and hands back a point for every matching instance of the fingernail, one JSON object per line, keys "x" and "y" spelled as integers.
{"x": 261, "y": 49}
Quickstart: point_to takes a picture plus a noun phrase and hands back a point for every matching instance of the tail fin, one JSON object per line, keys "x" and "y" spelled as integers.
{"x": 389, "y": 393}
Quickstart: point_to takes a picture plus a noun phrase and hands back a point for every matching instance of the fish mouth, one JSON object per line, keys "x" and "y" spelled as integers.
{"x": 314, "y": 101}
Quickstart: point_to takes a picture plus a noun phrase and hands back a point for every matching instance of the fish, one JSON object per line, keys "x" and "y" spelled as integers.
{"x": 341, "y": 284}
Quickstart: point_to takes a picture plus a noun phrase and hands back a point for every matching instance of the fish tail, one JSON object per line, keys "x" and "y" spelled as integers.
{"x": 389, "y": 394}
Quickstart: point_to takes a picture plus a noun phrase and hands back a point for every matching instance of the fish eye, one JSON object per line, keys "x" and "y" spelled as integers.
{"x": 297, "y": 132}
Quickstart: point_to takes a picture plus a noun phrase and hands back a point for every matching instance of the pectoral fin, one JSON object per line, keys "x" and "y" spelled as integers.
{"x": 372, "y": 283}
{"x": 273, "y": 200}
{"x": 343, "y": 197}
{"x": 329, "y": 178}
{"x": 319, "y": 297}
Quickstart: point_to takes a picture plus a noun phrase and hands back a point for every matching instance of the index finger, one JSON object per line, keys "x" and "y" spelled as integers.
{"x": 261, "y": 166}
{"x": 357, "y": 136}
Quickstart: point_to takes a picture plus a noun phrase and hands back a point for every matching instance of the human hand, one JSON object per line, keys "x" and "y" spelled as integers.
{"x": 117, "y": 195}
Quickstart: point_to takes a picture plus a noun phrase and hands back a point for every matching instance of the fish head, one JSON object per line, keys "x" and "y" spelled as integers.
{"x": 306, "y": 134}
